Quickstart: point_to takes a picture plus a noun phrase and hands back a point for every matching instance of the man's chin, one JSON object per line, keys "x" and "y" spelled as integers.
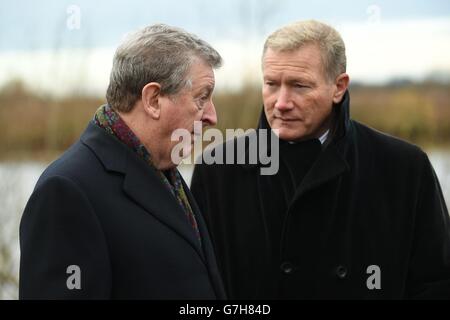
{"x": 289, "y": 135}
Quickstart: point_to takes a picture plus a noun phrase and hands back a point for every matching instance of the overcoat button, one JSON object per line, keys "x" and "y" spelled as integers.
{"x": 341, "y": 272}
{"x": 287, "y": 267}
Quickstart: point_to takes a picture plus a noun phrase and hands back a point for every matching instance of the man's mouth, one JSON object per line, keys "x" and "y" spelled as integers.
{"x": 286, "y": 119}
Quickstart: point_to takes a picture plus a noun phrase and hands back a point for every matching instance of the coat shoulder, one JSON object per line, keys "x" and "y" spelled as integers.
{"x": 75, "y": 164}
{"x": 385, "y": 146}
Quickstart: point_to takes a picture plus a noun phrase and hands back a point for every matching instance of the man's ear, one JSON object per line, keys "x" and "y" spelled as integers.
{"x": 151, "y": 96}
{"x": 341, "y": 84}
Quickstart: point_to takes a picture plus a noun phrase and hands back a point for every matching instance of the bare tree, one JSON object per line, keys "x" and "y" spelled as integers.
{"x": 255, "y": 15}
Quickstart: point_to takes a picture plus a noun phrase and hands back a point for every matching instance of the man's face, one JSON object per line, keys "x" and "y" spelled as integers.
{"x": 297, "y": 96}
{"x": 193, "y": 103}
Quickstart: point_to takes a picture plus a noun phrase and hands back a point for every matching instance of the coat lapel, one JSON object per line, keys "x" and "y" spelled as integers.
{"x": 144, "y": 186}
{"x": 141, "y": 182}
{"x": 329, "y": 165}
{"x": 207, "y": 246}
{"x": 331, "y": 162}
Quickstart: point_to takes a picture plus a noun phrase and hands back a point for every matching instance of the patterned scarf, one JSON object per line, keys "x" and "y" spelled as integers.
{"x": 110, "y": 121}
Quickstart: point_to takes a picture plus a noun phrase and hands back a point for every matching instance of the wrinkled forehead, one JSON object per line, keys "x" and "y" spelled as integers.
{"x": 305, "y": 50}
{"x": 201, "y": 75}
{"x": 307, "y": 57}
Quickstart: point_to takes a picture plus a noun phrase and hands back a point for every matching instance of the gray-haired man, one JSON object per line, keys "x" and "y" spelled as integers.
{"x": 112, "y": 218}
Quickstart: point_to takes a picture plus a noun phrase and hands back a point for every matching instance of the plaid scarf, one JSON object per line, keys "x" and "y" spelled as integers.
{"x": 109, "y": 120}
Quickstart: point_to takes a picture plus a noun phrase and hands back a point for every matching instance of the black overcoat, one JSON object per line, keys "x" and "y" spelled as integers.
{"x": 369, "y": 201}
{"x": 104, "y": 210}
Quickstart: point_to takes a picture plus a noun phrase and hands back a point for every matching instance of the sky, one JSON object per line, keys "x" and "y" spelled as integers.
{"x": 72, "y": 43}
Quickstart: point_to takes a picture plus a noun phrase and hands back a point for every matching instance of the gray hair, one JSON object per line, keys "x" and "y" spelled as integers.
{"x": 157, "y": 53}
{"x": 293, "y": 36}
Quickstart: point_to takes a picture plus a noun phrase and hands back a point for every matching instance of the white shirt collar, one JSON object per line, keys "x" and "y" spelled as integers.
{"x": 324, "y": 137}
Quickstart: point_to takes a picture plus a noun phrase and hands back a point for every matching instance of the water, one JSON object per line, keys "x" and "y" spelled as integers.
{"x": 17, "y": 181}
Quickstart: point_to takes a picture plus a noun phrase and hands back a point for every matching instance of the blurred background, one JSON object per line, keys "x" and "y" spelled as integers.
{"x": 55, "y": 59}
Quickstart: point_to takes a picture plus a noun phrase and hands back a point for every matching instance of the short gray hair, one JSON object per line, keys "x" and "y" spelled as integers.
{"x": 293, "y": 36}
{"x": 157, "y": 53}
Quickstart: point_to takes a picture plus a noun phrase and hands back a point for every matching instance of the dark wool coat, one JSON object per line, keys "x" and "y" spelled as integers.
{"x": 102, "y": 208}
{"x": 369, "y": 201}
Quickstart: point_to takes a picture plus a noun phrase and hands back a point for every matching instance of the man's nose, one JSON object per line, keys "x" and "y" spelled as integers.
{"x": 284, "y": 102}
{"x": 209, "y": 117}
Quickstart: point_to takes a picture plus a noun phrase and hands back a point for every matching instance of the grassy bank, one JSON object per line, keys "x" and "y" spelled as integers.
{"x": 39, "y": 128}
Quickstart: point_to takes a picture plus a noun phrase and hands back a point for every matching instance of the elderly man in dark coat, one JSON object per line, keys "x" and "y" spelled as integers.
{"x": 352, "y": 213}
{"x": 112, "y": 218}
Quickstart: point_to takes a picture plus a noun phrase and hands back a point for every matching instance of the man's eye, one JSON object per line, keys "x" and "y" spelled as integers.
{"x": 269, "y": 83}
{"x": 201, "y": 101}
{"x": 300, "y": 85}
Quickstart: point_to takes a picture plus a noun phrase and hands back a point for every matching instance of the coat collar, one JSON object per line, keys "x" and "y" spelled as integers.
{"x": 331, "y": 162}
{"x": 341, "y": 120}
{"x": 141, "y": 182}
